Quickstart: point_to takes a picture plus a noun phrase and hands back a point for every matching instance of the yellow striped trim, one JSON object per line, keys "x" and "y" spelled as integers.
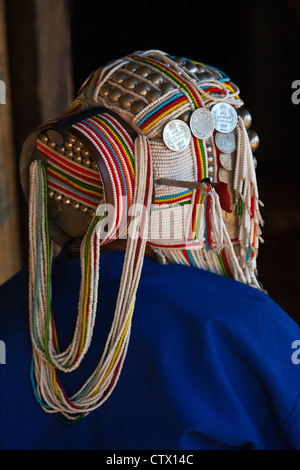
{"x": 117, "y": 350}
{"x": 72, "y": 183}
{"x": 168, "y": 111}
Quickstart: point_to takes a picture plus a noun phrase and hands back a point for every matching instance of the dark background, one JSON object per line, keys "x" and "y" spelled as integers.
{"x": 256, "y": 43}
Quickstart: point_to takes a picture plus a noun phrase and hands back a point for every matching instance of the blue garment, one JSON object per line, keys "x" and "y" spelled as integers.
{"x": 208, "y": 366}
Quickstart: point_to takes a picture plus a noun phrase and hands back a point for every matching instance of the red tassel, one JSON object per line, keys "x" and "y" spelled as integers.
{"x": 224, "y": 195}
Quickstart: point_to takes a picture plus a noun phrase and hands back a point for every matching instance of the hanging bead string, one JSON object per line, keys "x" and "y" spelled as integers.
{"x": 48, "y": 388}
{"x": 41, "y": 314}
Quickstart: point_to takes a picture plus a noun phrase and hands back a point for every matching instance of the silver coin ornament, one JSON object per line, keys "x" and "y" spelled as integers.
{"x": 226, "y": 143}
{"x": 226, "y": 160}
{"x": 202, "y": 123}
{"x": 176, "y": 135}
{"x": 225, "y": 117}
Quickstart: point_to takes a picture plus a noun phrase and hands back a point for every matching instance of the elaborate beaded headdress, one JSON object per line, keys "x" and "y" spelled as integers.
{"x": 165, "y": 142}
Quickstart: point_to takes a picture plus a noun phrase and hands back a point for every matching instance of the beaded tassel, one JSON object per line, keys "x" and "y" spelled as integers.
{"x": 47, "y": 358}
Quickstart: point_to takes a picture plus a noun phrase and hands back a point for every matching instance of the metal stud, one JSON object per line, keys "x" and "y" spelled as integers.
{"x": 84, "y": 209}
{"x": 55, "y": 137}
{"x": 155, "y": 78}
{"x": 201, "y": 68}
{"x": 114, "y": 95}
{"x": 104, "y": 90}
{"x": 44, "y": 138}
{"x": 76, "y": 205}
{"x": 131, "y": 66}
{"x": 204, "y": 76}
{"x": 192, "y": 68}
{"x": 87, "y": 162}
{"x": 210, "y": 169}
{"x": 142, "y": 88}
{"x": 166, "y": 86}
{"x": 130, "y": 82}
{"x": 78, "y": 159}
{"x": 253, "y": 139}
{"x": 144, "y": 71}
{"x": 51, "y": 194}
{"x": 185, "y": 116}
{"x": 85, "y": 153}
{"x": 69, "y": 154}
{"x": 246, "y": 116}
{"x": 66, "y": 201}
{"x": 137, "y": 106}
{"x": 153, "y": 95}
{"x": 118, "y": 77}
{"x": 58, "y": 197}
{"x": 76, "y": 148}
{"x": 126, "y": 101}
{"x": 179, "y": 60}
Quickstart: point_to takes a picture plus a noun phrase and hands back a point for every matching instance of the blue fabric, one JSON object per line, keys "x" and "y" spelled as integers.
{"x": 208, "y": 366}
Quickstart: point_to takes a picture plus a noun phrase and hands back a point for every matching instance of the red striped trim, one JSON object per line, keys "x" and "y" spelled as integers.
{"x": 169, "y": 72}
{"x": 181, "y": 245}
{"x": 216, "y": 90}
{"x": 125, "y": 135}
{"x": 172, "y": 201}
{"x": 106, "y": 153}
{"x": 208, "y": 224}
{"x": 65, "y": 191}
{"x": 68, "y": 166}
{"x": 102, "y": 126}
{"x": 81, "y": 190}
{"x": 186, "y": 256}
{"x": 226, "y": 264}
{"x": 252, "y": 207}
{"x": 158, "y": 113}
{"x": 146, "y": 202}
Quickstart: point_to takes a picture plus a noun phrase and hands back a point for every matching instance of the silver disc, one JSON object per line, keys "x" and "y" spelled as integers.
{"x": 226, "y": 160}
{"x": 176, "y": 135}
{"x": 225, "y": 116}
{"x": 202, "y": 123}
{"x": 226, "y": 143}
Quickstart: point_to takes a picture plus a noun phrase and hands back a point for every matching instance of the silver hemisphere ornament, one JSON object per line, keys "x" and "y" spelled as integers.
{"x": 202, "y": 123}
{"x": 176, "y": 135}
{"x": 225, "y": 116}
{"x": 226, "y": 143}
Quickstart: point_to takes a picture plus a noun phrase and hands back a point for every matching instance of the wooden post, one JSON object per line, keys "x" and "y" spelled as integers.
{"x": 55, "y": 83}
{"x": 10, "y": 254}
{"x": 37, "y": 37}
